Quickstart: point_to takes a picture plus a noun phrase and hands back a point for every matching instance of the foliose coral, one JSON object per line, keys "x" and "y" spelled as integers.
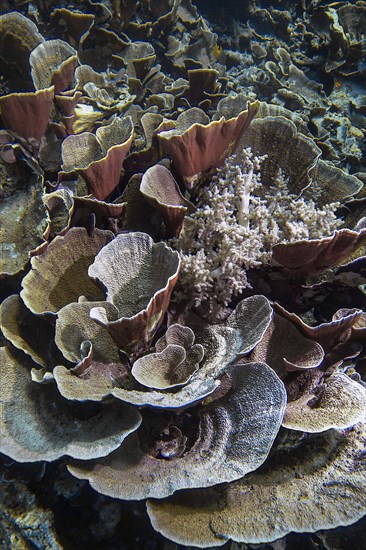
{"x": 180, "y": 324}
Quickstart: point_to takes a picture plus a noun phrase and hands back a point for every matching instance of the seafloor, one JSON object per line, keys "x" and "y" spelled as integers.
{"x": 305, "y": 58}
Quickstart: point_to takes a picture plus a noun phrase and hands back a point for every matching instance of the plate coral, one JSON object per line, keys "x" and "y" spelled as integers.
{"x": 183, "y": 252}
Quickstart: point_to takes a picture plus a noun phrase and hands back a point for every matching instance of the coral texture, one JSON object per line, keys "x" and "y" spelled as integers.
{"x": 183, "y": 255}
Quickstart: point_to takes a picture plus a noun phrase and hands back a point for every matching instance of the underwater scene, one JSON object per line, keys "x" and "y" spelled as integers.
{"x": 182, "y": 275}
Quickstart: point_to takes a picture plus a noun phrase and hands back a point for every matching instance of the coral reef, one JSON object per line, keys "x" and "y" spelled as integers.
{"x": 183, "y": 238}
{"x": 235, "y": 227}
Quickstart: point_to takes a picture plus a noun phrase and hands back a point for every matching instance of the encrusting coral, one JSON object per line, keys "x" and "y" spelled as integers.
{"x": 182, "y": 310}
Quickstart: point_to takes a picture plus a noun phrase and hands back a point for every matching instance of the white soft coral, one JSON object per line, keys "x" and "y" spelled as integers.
{"x": 236, "y": 225}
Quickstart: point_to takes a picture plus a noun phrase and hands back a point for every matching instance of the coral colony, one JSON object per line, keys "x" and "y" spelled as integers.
{"x": 183, "y": 256}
